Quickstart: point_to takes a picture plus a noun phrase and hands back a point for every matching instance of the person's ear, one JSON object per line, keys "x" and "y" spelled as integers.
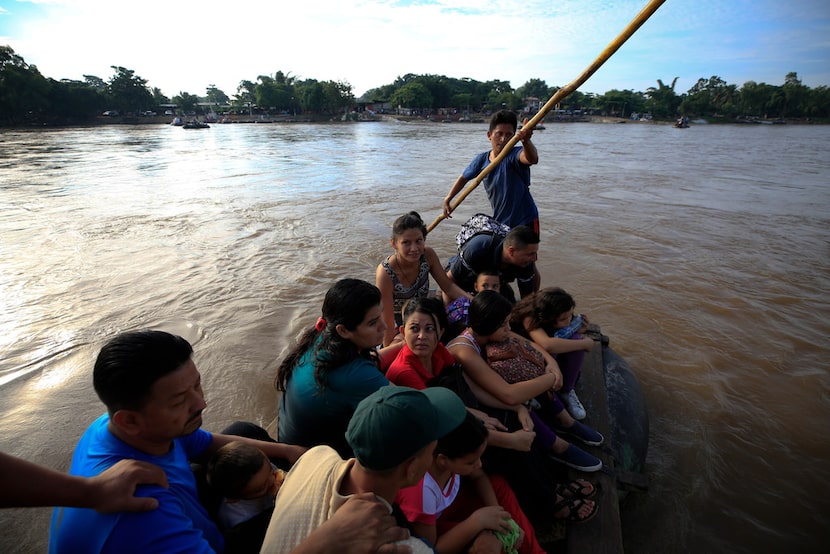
{"x": 129, "y": 421}
{"x": 411, "y": 470}
{"x": 442, "y": 461}
{"x": 343, "y": 332}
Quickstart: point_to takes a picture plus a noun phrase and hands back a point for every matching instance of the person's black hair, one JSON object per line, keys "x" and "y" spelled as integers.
{"x": 464, "y": 439}
{"x": 487, "y": 313}
{"x": 521, "y": 236}
{"x": 504, "y": 116}
{"x": 346, "y": 303}
{"x": 542, "y": 307}
{"x": 411, "y": 220}
{"x": 232, "y": 467}
{"x": 428, "y": 305}
{"x": 130, "y": 363}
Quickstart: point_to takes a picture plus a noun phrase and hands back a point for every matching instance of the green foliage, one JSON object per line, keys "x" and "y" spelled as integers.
{"x": 663, "y": 102}
{"x": 216, "y": 96}
{"x": 27, "y": 97}
{"x": 534, "y": 88}
{"x": 186, "y": 102}
{"x": 310, "y": 96}
{"x": 413, "y": 96}
{"x": 127, "y": 92}
{"x": 273, "y": 93}
{"x": 621, "y": 103}
{"x": 75, "y": 101}
{"x": 158, "y": 97}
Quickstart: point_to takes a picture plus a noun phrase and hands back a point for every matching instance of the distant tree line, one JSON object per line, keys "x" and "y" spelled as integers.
{"x": 27, "y": 97}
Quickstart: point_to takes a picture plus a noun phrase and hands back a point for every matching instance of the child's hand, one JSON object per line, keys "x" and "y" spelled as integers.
{"x": 587, "y": 344}
{"x": 493, "y": 518}
{"x": 523, "y": 414}
{"x": 584, "y": 327}
{"x": 522, "y": 440}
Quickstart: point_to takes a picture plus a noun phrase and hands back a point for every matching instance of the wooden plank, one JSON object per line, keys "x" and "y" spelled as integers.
{"x": 603, "y": 534}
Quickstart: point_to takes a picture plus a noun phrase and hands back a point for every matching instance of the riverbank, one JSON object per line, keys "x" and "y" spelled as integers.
{"x": 365, "y": 118}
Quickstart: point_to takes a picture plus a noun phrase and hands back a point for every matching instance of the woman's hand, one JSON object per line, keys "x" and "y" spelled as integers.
{"x": 557, "y": 375}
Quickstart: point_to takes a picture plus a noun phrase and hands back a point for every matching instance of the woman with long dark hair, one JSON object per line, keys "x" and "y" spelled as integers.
{"x": 333, "y": 367}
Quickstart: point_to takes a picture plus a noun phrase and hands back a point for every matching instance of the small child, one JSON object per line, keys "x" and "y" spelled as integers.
{"x": 247, "y": 481}
{"x": 458, "y": 310}
{"x": 456, "y": 501}
{"x": 547, "y": 318}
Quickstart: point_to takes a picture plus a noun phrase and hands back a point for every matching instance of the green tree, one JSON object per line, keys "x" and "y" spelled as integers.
{"x": 412, "y": 96}
{"x": 796, "y": 96}
{"x": 662, "y": 100}
{"x": 274, "y": 92}
{"x": 621, "y": 103}
{"x": 439, "y": 88}
{"x": 186, "y": 102}
{"x": 709, "y": 97}
{"x": 310, "y": 96}
{"x": 96, "y": 83}
{"x": 216, "y": 96}
{"x": 74, "y": 101}
{"x": 128, "y": 92}
{"x": 245, "y": 95}
{"x": 818, "y": 102}
{"x": 754, "y": 98}
{"x": 535, "y": 88}
{"x": 338, "y": 96}
{"x": 24, "y": 92}
{"x": 158, "y": 97}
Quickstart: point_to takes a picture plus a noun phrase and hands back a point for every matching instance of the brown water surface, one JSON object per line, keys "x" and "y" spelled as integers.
{"x": 704, "y": 253}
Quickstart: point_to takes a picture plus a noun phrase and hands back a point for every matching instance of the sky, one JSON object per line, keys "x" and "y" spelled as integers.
{"x": 185, "y": 46}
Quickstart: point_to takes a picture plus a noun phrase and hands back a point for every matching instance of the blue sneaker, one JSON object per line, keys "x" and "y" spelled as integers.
{"x": 577, "y": 458}
{"x": 581, "y": 432}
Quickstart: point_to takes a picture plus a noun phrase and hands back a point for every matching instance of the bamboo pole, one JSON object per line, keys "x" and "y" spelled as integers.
{"x": 560, "y": 95}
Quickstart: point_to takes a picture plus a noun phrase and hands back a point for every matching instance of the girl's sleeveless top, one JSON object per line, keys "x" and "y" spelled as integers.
{"x": 466, "y": 338}
{"x": 401, "y": 294}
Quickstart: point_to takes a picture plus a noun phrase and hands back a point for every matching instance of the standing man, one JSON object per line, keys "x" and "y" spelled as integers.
{"x": 508, "y": 184}
{"x": 154, "y": 399}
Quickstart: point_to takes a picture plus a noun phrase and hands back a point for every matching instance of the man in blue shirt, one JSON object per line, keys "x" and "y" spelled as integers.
{"x": 154, "y": 399}
{"x": 508, "y": 184}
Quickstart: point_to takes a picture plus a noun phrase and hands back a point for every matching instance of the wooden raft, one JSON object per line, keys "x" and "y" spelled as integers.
{"x": 603, "y": 534}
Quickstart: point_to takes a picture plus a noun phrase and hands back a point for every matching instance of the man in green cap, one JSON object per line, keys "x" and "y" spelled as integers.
{"x": 393, "y": 433}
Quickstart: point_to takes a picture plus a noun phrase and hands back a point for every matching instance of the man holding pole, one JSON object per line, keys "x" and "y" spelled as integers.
{"x": 508, "y": 184}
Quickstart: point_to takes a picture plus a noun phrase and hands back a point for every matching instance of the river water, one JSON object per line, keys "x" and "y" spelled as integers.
{"x": 703, "y": 253}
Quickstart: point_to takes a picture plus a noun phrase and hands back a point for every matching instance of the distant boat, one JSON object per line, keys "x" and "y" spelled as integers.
{"x": 195, "y": 125}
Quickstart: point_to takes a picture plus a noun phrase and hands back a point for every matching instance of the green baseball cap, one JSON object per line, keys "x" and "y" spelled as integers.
{"x": 393, "y": 423}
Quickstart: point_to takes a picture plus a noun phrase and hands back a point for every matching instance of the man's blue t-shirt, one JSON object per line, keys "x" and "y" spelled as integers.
{"x": 179, "y": 524}
{"x": 507, "y": 187}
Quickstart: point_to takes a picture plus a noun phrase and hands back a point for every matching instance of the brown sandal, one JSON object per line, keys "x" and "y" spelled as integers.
{"x": 576, "y": 488}
{"x": 573, "y": 505}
